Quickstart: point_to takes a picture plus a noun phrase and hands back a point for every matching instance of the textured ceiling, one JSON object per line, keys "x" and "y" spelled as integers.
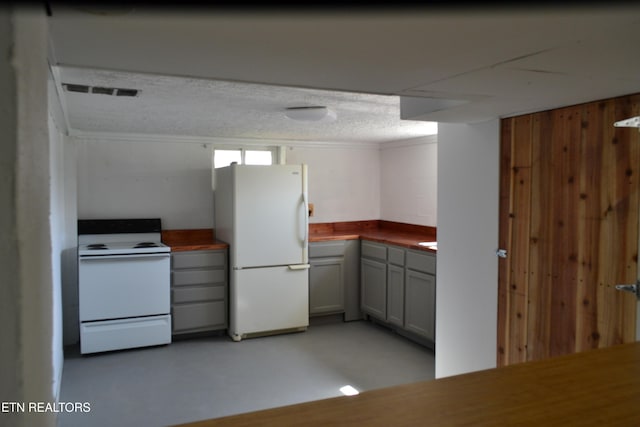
{"x": 207, "y": 108}
{"x": 466, "y": 65}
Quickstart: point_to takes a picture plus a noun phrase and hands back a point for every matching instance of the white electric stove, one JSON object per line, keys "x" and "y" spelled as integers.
{"x": 123, "y": 284}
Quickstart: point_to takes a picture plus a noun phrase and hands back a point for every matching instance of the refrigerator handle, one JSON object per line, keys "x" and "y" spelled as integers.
{"x": 306, "y": 222}
{"x": 305, "y": 253}
{"x": 299, "y": 266}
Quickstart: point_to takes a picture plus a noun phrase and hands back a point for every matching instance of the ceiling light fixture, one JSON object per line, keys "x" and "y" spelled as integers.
{"x": 310, "y": 114}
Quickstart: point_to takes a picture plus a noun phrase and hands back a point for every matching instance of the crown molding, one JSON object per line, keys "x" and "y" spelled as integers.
{"x": 215, "y": 141}
{"x": 421, "y": 140}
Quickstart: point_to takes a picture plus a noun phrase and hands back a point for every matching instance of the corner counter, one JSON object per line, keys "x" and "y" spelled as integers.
{"x": 389, "y": 232}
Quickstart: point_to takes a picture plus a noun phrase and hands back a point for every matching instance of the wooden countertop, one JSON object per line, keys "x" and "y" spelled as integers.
{"x": 389, "y": 232}
{"x": 191, "y": 240}
{"x": 593, "y": 388}
{"x": 405, "y": 235}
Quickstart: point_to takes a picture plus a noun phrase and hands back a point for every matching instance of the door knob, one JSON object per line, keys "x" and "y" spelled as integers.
{"x": 502, "y": 253}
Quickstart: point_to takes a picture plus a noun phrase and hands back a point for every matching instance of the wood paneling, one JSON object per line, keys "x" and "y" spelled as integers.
{"x": 569, "y": 191}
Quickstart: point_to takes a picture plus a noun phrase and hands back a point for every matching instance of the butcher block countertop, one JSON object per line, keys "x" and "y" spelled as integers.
{"x": 394, "y": 233}
{"x": 192, "y": 240}
{"x": 593, "y": 388}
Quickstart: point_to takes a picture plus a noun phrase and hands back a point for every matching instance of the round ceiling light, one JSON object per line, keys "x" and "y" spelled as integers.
{"x": 310, "y": 114}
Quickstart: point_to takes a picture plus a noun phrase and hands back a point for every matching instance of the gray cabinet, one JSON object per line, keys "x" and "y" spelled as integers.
{"x": 199, "y": 283}
{"x": 395, "y": 295}
{"x": 374, "y": 288}
{"x": 420, "y": 294}
{"x": 398, "y": 287}
{"x": 373, "y": 279}
{"x": 420, "y": 299}
{"x": 326, "y": 285}
{"x": 395, "y": 285}
{"x": 333, "y": 278}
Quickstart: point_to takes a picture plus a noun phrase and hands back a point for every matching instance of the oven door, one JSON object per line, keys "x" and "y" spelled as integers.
{"x": 119, "y": 286}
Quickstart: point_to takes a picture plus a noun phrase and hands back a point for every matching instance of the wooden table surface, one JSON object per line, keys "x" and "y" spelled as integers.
{"x": 593, "y": 388}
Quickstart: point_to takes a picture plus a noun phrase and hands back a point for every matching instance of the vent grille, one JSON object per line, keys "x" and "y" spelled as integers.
{"x": 100, "y": 90}
{"x": 103, "y": 90}
{"x": 76, "y": 88}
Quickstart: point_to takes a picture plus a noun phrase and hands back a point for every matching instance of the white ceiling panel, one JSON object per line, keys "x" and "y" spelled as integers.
{"x": 208, "y": 108}
{"x": 190, "y": 65}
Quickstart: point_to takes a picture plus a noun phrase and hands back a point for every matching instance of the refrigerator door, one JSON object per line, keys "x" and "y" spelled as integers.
{"x": 270, "y": 216}
{"x": 268, "y": 299}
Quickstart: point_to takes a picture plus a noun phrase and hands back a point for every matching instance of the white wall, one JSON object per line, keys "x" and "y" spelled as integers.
{"x": 31, "y": 339}
{"x": 123, "y": 179}
{"x": 11, "y": 388}
{"x": 409, "y": 181}
{"x": 173, "y": 181}
{"x": 344, "y": 183}
{"x": 69, "y": 255}
{"x": 467, "y": 295}
{"x": 63, "y": 218}
{"x": 119, "y": 178}
{"x": 57, "y": 224}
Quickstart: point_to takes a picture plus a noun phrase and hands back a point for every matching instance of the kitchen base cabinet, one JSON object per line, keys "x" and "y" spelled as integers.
{"x": 374, "y": 288}
{"x": 398, "y": 289}
{"x": 420, "y": 296}
{"x": 395, "y": 295}
{"x": 199, "y": 286}
{"x": 326, "y": 286}
{"x": 334, "y": 279}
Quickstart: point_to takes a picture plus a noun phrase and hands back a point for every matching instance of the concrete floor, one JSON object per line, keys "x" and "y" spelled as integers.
{"x": 210, "y": 377}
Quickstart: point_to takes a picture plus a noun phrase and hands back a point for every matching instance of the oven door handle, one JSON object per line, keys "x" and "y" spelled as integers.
{"x": 123, "y": 256}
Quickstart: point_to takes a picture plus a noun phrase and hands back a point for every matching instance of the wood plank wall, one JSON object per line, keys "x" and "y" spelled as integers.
{"x": 569, "y": 193}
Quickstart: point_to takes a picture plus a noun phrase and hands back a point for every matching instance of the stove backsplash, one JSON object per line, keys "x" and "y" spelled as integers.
{"x": 119, "y": 226}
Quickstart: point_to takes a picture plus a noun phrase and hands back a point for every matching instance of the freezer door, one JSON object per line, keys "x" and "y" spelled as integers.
{"x": 270, "y": 218}
{"x": 268, "y": 299}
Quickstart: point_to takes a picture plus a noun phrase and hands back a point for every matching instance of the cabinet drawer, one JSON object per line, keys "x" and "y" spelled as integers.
{"x": 326, "y": 249}
{"x": 373, "y": 250}
{"x": 197, "y": 277}
{"x": 421, "y": 262}
{"x": 196, "y": 259}
{"x": 198, "y": 315}
{"x": 197, "y": 293}
{"x": 396, "y": 256}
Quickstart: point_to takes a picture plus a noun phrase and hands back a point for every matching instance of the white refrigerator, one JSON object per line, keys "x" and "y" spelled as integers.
{"x": 262, "y": 212}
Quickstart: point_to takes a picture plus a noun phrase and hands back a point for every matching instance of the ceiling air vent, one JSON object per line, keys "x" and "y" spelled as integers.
{"x": 100, "y": 90}
{"x": 76, "y": 88}
{"x": 126, "y": 92}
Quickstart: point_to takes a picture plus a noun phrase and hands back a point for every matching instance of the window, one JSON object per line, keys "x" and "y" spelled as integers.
{"x": 243, "y": 156}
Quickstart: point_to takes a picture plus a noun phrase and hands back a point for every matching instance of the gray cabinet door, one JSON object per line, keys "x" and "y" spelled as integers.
{"x": 373, "y": 276}
{"x": 420, "y": 299}
{"x": 326, "y": 285}
{"x": 395, "y": 295}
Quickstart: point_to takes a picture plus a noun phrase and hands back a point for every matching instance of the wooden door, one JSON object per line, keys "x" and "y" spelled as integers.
{"x": 569, "y": 193}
